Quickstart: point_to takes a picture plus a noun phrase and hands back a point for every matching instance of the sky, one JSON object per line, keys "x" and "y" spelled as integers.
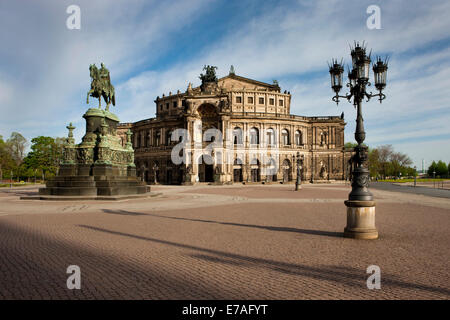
{"x": 154, "y": 47}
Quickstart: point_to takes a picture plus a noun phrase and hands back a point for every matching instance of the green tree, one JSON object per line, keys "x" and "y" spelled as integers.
{"x": 441, "y": 168}
{"x": 16, "y": 145}
{"x": 45, "y": 155}
{"x": 410, "y": 172}
{"x": 7, "y": 162}
{"x": 400, "y": 162}
{"x": 374, "y": 162}
{"x": 384, "y": 155}
{"x": 432, "y": 168}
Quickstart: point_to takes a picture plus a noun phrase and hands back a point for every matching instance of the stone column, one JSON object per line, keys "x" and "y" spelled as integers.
{"x": 360, "y": 220}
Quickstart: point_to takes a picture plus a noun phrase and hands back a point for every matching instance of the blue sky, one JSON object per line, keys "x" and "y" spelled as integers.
{"x": 153, "y": 47}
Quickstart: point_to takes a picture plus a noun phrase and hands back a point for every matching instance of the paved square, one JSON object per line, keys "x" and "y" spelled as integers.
{"x": 223, "y": 242}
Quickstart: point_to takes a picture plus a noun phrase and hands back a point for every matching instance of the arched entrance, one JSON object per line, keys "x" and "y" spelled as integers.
{"x": 205, "y": 169}
{"x": 208, "y": 117}
{"x": 271, "y": 170}
{"x": 169, "y": 176}
{"x": 287, "y": 171}
{"x": 237, "y": 170}
{"x": 255, "y": 170}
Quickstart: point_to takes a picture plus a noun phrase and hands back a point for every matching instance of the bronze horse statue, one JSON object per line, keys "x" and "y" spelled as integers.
{"x": 101, "y": 86}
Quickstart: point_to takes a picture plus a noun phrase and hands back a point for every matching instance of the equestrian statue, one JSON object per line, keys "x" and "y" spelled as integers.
{"x": 101, "y": 86}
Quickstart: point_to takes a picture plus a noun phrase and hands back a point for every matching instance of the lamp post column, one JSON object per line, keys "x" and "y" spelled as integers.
{"x": 360, "y": 204}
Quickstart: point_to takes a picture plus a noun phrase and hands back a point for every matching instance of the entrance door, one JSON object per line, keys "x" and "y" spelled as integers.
{"x": 209, "y": 173}
{"x": 169, "y": 176}
{"x": 287, "y": 176}
{"x": 237, "y": 173}
{"x": 255, "y": 175}
{"x": 205, "y": 169}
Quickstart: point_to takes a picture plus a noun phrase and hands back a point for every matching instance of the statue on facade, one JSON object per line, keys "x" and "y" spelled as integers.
{"x": 101, "y": 86}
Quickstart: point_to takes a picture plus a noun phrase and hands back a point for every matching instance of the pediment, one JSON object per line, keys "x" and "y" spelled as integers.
{"x": 235, "y": 82}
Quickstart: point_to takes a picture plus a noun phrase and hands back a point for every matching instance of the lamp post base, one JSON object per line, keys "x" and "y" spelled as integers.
{"x": 360, "y": 220}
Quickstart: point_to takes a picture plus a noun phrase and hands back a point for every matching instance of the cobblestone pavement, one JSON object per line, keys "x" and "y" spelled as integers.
{"x": 223, "y": 242}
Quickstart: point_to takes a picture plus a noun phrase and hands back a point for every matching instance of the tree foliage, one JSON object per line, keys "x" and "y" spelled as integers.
{"x": 17, "y": 144}
{"x": 42, "y": 160}
{"x": 384, "y": 161}
{"x": 7, "y": 162}
{"x": 45, "y": 154}
{"x": 439, "y": 168}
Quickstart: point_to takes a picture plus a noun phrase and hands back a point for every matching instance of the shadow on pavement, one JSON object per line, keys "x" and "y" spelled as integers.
{"x": 343, "y": 275}
{"x": 270, "y": 228}
{"x": 33, "y": 266}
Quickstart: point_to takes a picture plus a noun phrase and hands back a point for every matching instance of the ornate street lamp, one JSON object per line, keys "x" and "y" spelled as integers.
{"x": 298, "y": 181}
{"x": 360, "y": 204}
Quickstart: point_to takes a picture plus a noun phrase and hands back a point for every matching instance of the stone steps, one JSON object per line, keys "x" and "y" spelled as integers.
{"x": 93, "y": 186}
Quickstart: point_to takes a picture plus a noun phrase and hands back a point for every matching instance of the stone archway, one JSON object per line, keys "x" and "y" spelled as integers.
{"x": 237, "y": 170}
{"x": 208, "y": 115}
{"x": 255, "y": 170}
{"x": 205, "y": 168}
{"x": 287, "y": 170}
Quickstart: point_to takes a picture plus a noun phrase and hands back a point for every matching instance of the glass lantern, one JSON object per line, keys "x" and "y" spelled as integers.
{"x": 363, "y": 68}
{"x": 380, "y": 71}
{"x": 336, "y": 71}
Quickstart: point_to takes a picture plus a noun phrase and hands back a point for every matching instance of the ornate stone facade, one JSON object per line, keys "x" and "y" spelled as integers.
{"x": 255, "y": 121}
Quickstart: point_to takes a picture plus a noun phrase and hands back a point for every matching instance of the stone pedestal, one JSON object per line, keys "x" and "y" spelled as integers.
{"x": 99, "y": 167}
{"x": 360, "y": 220}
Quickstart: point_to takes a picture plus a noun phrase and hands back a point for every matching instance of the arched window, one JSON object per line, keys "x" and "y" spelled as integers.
{"x": 323, "y": 138}
{"x": 135, "y": 140}
{"x": 285, "y": 137}
{"x": 138, "y": 141}
{"x": 157, "y": 138}
{"x": 254, "y": 136}
{"x": 270, "y": 137}
{"x": 168, "y": 135}
{"x": 298, "y": 138}
{"x": 237, "y": 135}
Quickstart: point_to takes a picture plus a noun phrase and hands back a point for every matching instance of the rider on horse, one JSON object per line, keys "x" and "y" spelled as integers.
{"x": 101, "y": 86}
